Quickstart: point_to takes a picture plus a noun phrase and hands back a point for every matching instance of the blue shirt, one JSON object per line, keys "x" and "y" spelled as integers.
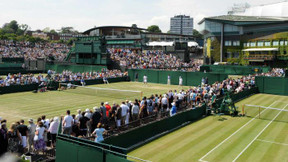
{"x": 99, "y": 133}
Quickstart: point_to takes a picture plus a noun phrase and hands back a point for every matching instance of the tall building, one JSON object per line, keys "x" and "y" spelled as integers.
{"x": 181, "y": 24}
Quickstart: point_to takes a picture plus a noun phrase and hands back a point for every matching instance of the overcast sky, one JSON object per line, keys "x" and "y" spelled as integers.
{"x": 85, "y": 14}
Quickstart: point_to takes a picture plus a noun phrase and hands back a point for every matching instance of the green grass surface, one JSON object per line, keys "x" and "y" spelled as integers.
{"x": 221, "y": 139}
{"x": 16, "y": 106}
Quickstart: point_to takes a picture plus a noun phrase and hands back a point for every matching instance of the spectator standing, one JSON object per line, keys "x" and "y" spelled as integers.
{"x": 78, "y": 116}
{"x": 96, "y": 118}
{"x": 135, "y": 111}
{"x": 31, "y": 134}
{"x": 103, "y": 112}
{"x": 143, "y": 111}
{"x": 99, "y": 133}
{"x": 124, "y": 112}
{"x": 83, "y": 124}
{"x": 14, "y": 139}
{"x": 40, "y": 144}
{"x": 53, "y": 129}
{"x": 3, "y": 139}
{"x": 23, "y": 130}
{"x": 118, "y": 116}
{"x": 173, "y": 109}
{"x": 108, "y": 109}
{"x": 67, "y": 123}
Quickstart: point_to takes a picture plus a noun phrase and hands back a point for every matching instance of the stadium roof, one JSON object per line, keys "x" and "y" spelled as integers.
{"x": 102, "y": 27}
{"x": 245, "y": 20}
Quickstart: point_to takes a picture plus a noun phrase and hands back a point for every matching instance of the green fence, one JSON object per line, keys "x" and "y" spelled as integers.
{"x": 71, "y": 149}
{"x": 189, "y": 78}
{"x": 74, "y": 68}
{"x": 143, "y": 134}
{"x": 18, "y": 88}
{"x": 272, "y": 85}
{"x": 233, "y": 69}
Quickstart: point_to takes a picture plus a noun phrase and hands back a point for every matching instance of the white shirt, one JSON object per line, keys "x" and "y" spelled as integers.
{"x": 135, "y": 109}
{"x": 53, "y": 129}
{"x": 68, "y": 121}
{"x": 125, "y": 109}
{"x": 40, "y": 132}
{"x": 88, "y": 115}
{"x": 180, "y": 96}
{"x": 78, "y": 116}
{"x": 164, "y": 101}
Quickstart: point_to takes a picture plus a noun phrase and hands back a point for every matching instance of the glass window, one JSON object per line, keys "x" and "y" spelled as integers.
{"x": 236, "y": 55}
{"x": 228, "y": 43}
{"x": 253, "y": 44}
{"x": 275, "y": 43}
{"x": 281, "y": 43}
{"x": 260, "y": 44}
{"x": 245, "y": 44}
{"x": 286, "y": 43}
{"x": 236, "y": 43}
{"x": 248, "y": 44}
{"x": 267, "y": 43}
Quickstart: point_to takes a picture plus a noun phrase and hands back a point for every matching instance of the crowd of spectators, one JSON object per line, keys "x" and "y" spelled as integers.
{"x": 20, "y": 138}
{"x": 65, "y": 76}
{"x": 275, "y": 72}
{"x": 134, "y": 59}
{"x": 32, "y": 51}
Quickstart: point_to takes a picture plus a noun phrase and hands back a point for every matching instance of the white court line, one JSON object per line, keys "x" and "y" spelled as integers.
{"x": 258, "y": 135}
{"x": 278, "y": 143}
{"x": 201, "y": 159}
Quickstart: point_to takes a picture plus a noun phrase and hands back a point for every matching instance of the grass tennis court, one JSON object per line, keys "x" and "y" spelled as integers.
{"x": 28, "y": 105}
{"x": 226, "y": 138}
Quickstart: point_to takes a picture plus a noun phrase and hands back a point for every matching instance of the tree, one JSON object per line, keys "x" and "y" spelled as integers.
{"x": 11, "y": 27}
{"x": 68, "y": 30}
{"x": 154, "y": 29}
{"x": 52, "y": 31}
{"x": 197, "y": 34}
{"x": 46, "y": 30}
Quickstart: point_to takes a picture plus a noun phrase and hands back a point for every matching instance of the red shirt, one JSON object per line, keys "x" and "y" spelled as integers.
{"x": 108, "y": 108}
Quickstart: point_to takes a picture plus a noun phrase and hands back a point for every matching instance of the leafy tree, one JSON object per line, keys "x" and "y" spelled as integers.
{"x": 197, "y": 34}
{"x": 154, "y": 29}
{"x": 46, "y": 30}
{"x": 68, "y": 30}
{"x": 52, "y": 31}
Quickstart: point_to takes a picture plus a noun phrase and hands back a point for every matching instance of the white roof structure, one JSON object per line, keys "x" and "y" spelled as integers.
{"x": 162, "y": 44}
{"x": 192, "y": 44}
{"x": 260, "y": 49}
{"x": 274, "y": 10}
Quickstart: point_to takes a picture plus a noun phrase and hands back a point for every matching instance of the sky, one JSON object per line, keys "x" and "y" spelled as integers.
{"x": 86, "y": 14}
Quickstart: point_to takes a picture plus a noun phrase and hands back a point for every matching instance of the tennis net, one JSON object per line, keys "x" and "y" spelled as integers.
{"x": 101, "y": 92}
{"x": 265, "y": 113}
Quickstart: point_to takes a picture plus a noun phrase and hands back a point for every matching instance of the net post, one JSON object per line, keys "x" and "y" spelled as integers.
{"x": 243, "y": 109}
{"x": 259, "y": 111}
{"x": 59, "y": 86}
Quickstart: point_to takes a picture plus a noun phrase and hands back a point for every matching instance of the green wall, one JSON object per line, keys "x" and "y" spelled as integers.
{"x": 272, "y": 85}
{"x": 71, "y": 149}
{"x": 189, "y": 78}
